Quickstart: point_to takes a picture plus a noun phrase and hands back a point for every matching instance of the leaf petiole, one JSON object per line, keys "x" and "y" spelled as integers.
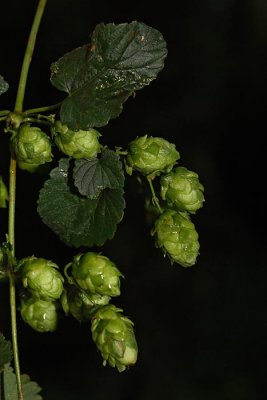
{"x": 42, "y": 109}
{"x": 155, "y": 200}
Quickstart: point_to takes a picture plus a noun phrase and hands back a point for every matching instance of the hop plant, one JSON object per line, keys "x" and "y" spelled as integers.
{"x": 77, "y": 144}
{"x": 32, "y": 147}
{"x": 114, "y": 337}
{"x": 81, "y": 305}
{"x": 151, "y": 155}
{"x": 41, "y": 278}
{"x": 177, "y": 237}
{"x": 40, "y": 314}
{"x": 97, "y": 274}
{"x": 182, "y": 189}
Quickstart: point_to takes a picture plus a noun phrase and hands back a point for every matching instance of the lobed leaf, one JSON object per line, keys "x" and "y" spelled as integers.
{"x": 3, "y": 85}
{"x": 5, "y": 352}
{"x": 30, "y": 389}
{"x": 79, "y": 221}
{"x": 100, "y": 77}
{"x": 92, "y": 176}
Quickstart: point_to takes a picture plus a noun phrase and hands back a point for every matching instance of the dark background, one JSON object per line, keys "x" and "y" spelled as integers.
{"x": 201, "y": 331}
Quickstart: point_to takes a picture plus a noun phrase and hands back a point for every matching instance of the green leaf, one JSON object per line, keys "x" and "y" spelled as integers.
{"x": 92, "y": 176}
{"x": 30, "y": 389}
{"x": 5, "y": 352}
{"x": 100, "y": 77}
{"x": 3, "y": 85}
{"x": 79, "y": 221}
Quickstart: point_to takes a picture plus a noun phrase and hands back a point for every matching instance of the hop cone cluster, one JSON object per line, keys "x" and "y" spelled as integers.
{"x": 77, "y": 144}
{"x": 114, "y": 337}
{"x": 151, "y": 155}
{"x": 43, "y": 285}
{"x": 182, "y": 189}
{"x": 32, "y": 147}
{"x": 177, "y": 237}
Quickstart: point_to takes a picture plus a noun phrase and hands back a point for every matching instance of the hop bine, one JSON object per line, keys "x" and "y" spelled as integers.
{"x": 114, "y": 337}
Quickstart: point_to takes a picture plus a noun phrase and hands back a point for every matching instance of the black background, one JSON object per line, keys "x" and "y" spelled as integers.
{"x": 201, "y": 331}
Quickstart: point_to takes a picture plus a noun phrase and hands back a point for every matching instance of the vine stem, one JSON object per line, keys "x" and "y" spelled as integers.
{"x": 42, "y": 109}
{"x": 12, "y": 187}
{"x": 154, "y": 197}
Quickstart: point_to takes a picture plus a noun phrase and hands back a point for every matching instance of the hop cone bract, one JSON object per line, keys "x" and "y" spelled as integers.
{"x": 97, "y": 274}
{"x": 151, "y": 155}
{"x": 182, "y": 189}
{"x": 177, "y": 237}
{"x": 114, "y": 337}
{"x": 41, "y": 315}
{"x": 41, "y": 278}
{"x": 77, "y": 144}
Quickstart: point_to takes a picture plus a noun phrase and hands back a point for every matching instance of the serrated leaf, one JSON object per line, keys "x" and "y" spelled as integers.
{"x": 30, "y": 389}
{"x": 100, "y": 77}
{"x": 5, "y": 352}
{"x": 3, "y": 85}
{"x": 92, "y": 176}
{"x": 79, "y": 221}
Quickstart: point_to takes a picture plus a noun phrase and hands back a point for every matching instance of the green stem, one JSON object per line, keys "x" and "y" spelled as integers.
{"x": 4, "y": 112}
{"x": 154, "y": 197}
{"x": 28, "y": 55}
{"x": 12, "y": 188}
{"x": 42, "y": 109}
{"x": 3, "y": 118}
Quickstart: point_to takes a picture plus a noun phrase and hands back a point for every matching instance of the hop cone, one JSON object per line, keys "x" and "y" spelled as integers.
{"x": 41, "y": 278}
{"x": 182, "y": 189}
{"x": 97, "y": 274}
{"x": 177, "y": 237}
{"x": 77, "y": 144}
{"x": 82, "y": 305}
{"x": 114, "y": 337}
{"x": 41, "y": 315}
{"x": 151, "y": 155}
{"x": 32, "y": 147}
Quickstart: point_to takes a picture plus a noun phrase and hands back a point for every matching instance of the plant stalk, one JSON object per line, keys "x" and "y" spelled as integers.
{"x": 12, "y": 187}
{"x": 154, "y": 197}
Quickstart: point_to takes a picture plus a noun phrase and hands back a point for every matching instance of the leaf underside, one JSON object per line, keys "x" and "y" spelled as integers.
{"x": 77, "y": 220}
{"x": 30, "y": 389}
{"x": 101, "y": 76}
{"x": 3, "y": 85}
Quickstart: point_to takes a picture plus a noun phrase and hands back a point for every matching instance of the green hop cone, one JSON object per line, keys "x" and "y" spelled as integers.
{"x": 82, "y": 305}
{"x": 77, "y": 144}
{"x": 97, "y": 274}
{"x": 177, "y": 237}
{"x": 3, "y": 193}
{"x": 40, "y": 314}
{"x": 41, "y": 278}
{"x": 114, "y": 337}
{"x": 182, "y": 189}
{"x": 32, "y": 147}
{"x": 151, "y": 155}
